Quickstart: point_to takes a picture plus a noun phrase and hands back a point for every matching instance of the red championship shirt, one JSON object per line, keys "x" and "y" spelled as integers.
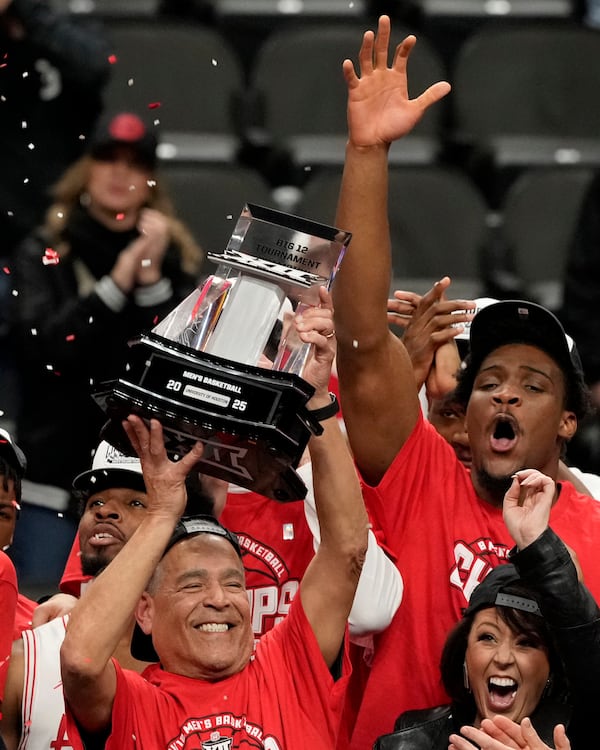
{"x": 8, "y": 598}
{"x": 446, "y": 540}
{"x": 284, "y": 699}
{"x": 277, "y": 546}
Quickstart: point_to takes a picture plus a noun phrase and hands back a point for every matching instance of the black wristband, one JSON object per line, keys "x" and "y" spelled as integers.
{"x": 325, "y": 412}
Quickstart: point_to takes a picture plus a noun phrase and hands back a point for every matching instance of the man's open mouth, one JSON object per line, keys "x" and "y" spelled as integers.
{"x": 505, "y": 432}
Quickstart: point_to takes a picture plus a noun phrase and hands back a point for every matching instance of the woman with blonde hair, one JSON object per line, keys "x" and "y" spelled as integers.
{"x": 110, "y": 261}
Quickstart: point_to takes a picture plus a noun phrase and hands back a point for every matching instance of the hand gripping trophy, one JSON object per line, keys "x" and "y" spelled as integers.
{"x": 225, "y": 366}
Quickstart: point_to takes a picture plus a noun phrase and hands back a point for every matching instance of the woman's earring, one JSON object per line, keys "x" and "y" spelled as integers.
{"x": 85, "y": 199}
{"x": 466, "y": 678}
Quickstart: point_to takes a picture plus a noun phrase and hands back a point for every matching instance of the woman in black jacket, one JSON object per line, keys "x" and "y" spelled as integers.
{"x": 528, "y": 643}
{"x": 110, "y": 261}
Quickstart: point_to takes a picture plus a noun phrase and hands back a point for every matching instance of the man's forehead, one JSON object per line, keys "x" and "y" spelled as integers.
{"x": 211, "y": 548}
{"x": 520, "y": 354}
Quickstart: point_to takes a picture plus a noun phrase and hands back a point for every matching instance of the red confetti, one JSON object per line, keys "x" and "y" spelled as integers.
{"x": 120, "y": 217}
{"x": 155, "y": 321}
{"x": 51, "y": 257}
{"x": 154, "y": 105}
{"x": 6, "y": 270}
{"x": 70, "y": 337}
{"x": 112, "y": 59}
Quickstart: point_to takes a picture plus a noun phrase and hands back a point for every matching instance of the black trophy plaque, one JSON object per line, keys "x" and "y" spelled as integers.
{"x": 225, "y": 366}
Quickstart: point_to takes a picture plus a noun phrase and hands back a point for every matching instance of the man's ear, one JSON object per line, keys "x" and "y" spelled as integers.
{"x": 568, "y": 425}
{"x": 144, "y": 613}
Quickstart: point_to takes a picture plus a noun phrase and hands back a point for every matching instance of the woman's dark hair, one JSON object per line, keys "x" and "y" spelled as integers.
{"x": 519, "y": 621}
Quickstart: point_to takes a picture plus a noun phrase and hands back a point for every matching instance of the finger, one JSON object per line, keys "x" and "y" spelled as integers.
{"x": 409, "y": 297}
{"x": 403, "y": 51}
{"x": 398, "y": 320}
{"x": 436, "y": 291}
{"x": 561, "y": 740}
{"x": 136, "y": 430}
{"x": 513, "y": 493}
{"x": 325, "y": 298}
{"x": 433, "y": 94}
{"x": 382, "y": 42}
{"x": 350, "y": 74}
{"x": 460, "y": 743}
{"x": 157, "y": 441}
{"x": 508, "y": 731}
{"x": 191, "y": 458}
{"x": 365, "y": 55}
{"x": 446, "y": 335}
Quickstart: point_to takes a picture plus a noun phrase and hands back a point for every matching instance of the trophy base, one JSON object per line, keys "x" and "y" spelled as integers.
{"x": 253, "y": 422}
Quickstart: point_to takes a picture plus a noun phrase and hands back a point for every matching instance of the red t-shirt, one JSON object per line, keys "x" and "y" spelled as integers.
{"x": 446, "y": 540}
{"x": 8, "y": 605}
{"x": 285, "y": 698}
{"x": 277, "y": 547}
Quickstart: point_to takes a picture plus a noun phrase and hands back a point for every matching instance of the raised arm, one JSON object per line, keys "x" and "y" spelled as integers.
{"x": 377, "y": 385}
{"x": 106, "y": 608}
{"x": 329, "y": 584}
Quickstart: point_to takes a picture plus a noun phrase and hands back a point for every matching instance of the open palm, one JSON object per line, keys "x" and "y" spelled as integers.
{"x": 379, "y": 108}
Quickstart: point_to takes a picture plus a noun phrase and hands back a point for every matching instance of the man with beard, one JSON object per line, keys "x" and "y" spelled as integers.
{"x": 113, "y": 497}
{"x": 523, "y": 394}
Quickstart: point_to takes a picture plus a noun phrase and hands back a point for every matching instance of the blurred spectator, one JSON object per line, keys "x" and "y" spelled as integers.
{"x": 51, "y": 78}
{"x": 581, "y": 317}
{"x": 109, "y": 262}
{"x": 52, "y": 72}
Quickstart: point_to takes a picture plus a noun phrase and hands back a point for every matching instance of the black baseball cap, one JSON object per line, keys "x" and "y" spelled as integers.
{"x": 495, "y": 591}
{"x": 124, "y": 129}
{"x": 141, "y": 644}
{"x": 523, "y": 322}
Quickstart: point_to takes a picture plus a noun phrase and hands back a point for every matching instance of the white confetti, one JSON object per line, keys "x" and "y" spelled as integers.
{"x": 355, "y": 343}
{"x": 31, "y": 146}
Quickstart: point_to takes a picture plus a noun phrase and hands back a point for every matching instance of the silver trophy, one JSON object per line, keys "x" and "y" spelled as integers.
{"x": 225, "y": 366}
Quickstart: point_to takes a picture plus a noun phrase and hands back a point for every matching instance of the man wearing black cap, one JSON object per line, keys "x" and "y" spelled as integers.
{"x": 524, "y": 396}
{"x": 210, "y": 689}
